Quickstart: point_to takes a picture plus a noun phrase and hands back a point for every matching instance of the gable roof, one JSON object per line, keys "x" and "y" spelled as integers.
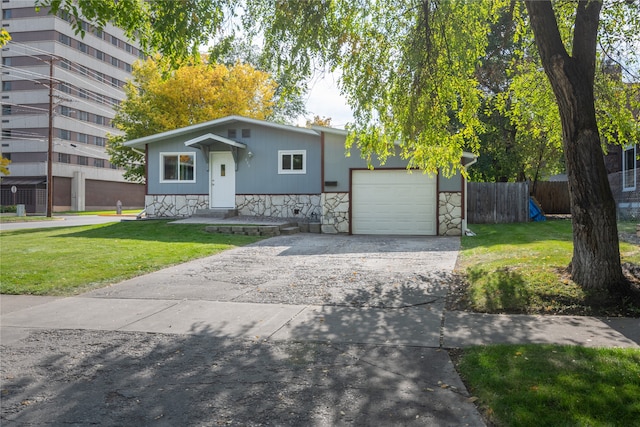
{"x": 141, "y": 142}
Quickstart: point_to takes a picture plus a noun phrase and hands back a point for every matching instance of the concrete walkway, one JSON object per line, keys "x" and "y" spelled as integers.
{"x": 409, "y": 326}
{"x": 352, "y": 326}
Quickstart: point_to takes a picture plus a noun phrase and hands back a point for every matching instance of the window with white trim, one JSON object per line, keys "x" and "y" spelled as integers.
{"x": 292, "y": 161}
{"x": 629, "y": 168}
{"x": 177, "y": 167}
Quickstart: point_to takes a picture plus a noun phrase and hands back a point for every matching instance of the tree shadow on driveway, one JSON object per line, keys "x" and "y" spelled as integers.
{"x": 209, "y": 377}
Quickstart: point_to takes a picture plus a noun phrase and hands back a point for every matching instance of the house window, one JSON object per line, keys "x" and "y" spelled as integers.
{"x": 6, "y": 86}
{"x": 6, "y": 110}
{"x": 83, "y": 160}
{"x": 82, "y": 47}
{"x": 246, "y": 133}
{"x": 231, "y": 133}
{"x": 83, "y": 137}
{"x": 629, "y": 168}
{"x": 178, "y": 167}
{"x": 100, "y": 141}
{"x": 99, "y": 163}
{"x": 292, "y": 161}
{"x": 64, "y": 158}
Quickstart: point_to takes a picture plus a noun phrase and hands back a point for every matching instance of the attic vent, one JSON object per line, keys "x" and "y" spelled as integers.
{"x": 246, "y": 133}
{"x": 231, "y": 133}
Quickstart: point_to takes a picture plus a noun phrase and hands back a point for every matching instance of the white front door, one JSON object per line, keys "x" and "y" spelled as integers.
{"x": 222, "y": 172}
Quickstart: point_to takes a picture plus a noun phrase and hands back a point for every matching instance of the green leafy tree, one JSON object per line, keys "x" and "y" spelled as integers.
{"x": 160, "y": 98}
{"x": 512, "y": 147}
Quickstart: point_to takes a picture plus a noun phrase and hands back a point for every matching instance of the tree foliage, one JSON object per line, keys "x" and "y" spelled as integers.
{"x": 288, "y": 99}
{"x": 4, "y": 36}
{"x": 319, "y": 121}
{"x": 176, "y": 28}
{"x": 159, "y": 99}
{"x": 4, "y": 162}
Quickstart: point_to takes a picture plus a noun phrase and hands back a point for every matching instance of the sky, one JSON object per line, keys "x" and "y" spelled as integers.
{"x": 324, "y": 100}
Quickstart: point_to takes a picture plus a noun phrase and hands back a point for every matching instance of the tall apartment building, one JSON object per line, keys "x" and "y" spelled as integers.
{"x": 87, "y": 76}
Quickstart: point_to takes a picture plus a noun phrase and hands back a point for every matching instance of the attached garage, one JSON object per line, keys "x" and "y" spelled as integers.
{"x": 393, "y": 202}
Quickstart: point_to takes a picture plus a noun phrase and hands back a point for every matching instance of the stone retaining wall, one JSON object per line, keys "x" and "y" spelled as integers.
{"x": 177, "y": 205}
{"x": 305, "y": 206}
{"x": 450, "y": 214}
{"x": 335, "y": 213}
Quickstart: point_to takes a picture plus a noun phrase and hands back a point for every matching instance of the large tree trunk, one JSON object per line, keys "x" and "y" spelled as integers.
{"x": 596, "y": 254}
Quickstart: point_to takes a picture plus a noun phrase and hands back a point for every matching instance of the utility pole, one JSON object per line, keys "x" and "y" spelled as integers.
{"x": 50, "y": 149}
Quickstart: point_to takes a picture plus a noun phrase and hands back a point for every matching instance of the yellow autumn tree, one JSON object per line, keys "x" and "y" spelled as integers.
{"x": 4, "y": 162}
{"x": 159, "y": 99}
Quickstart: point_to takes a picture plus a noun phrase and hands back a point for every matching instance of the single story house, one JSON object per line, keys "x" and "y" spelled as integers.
{"x": 260, "y": 168}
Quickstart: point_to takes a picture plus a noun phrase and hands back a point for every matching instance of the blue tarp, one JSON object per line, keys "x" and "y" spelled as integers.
{"x": 535, "y": 213}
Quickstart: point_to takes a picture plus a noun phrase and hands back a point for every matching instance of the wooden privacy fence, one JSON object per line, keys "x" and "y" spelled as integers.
{"x": 553, "y": 197}
{"x": 497, "y": 202}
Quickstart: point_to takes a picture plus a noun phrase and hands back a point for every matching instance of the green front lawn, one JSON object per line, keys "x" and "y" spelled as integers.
{"x": 521, "y": 268}
{"x": 69, "y": 260}
{"x": 544, "y": 385}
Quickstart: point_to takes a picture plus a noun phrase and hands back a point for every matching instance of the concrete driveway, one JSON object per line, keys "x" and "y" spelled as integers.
{"x": 294, "y": 330}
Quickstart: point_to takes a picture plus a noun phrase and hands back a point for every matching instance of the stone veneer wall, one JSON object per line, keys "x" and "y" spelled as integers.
{"x": 335, "y": 213}
{"x": 176, "y": 205}
{"x": 280, "y": 205}
{"x": 450, "y": 214}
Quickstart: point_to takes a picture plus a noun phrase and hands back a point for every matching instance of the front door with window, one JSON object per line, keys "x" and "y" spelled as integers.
{"x": 222, "y": 172}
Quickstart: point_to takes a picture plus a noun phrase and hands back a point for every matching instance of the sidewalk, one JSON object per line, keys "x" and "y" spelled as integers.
{"x": 420, "y": 326}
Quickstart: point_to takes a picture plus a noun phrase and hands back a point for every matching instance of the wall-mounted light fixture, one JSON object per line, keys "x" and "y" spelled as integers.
{"x": 250, "y": 154}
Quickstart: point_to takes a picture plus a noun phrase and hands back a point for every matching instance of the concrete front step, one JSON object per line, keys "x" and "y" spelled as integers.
{"x": 264, "y": 230}
{"x": 215, "y": 213}
{"x": 289, "y": 230}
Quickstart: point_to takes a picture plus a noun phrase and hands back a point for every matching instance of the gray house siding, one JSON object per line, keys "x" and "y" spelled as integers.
{"x": 337, "y": 165}
{"x": 154, "y": 186}
{"x": 453, "y": 183}
{"x": 258, "y": 174}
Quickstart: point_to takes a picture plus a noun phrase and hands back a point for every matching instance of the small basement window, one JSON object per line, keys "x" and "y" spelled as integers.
{"x": 292, "y": 162}
{"x": 178, "y": 167}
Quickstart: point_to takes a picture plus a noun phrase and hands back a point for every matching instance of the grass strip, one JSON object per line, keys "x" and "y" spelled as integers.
{"x": 69, "y": 260}
{"x": 521, "y": 268}
{"x": 547, "y": 385}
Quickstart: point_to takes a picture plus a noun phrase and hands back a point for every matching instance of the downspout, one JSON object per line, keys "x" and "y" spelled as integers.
{"x": 464, "y": 221}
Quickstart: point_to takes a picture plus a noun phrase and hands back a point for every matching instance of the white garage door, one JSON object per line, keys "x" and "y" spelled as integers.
{"x": 393, "y": 202}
